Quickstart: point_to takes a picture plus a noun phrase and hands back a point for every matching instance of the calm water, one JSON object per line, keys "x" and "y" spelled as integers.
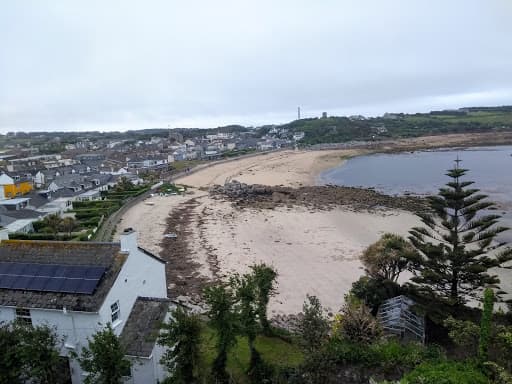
{"x": 423, "y": 173}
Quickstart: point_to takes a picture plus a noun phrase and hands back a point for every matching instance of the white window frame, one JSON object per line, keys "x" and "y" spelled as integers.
{"x": 115, "y": 312}
{"x": 23, "y": 315}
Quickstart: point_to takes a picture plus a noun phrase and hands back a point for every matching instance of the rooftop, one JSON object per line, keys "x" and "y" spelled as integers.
{"x": 107, "y": 255}
{"x": 15, "y": 201}
{"x": 143, "y": 325}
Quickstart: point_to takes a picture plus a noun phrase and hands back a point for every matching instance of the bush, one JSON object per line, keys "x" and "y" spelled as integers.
{"x": 356, "y": 323}
{"x": 38, "y": 236}
{"x": 387, "y": 354}
{"x": 447, "y": 372}
{"x": 373, "y": 292}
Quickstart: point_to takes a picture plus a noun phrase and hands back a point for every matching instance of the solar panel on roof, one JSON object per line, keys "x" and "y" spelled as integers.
{"x": 38, "y": 283}
{"x": 48, "y": 270}
{"x": 32, "y": 269}
{"x": 70, "y": 285}
{"x": 94, "y": 272}
{"x": 21, "y": 282}
{"x": 50, "y": 277}
{"x": 54, "y": 284}
{"x": 17, "y": 268}
{"x": 87, "y": 286}
{"x": 6, "y": 281}
{"x": 61, "y": 271}
{"x": 4, "y": 267}
{"x": 76, "y": 271}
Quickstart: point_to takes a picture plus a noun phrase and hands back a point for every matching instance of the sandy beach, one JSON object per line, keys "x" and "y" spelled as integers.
{"x": 289, "y": 168}
{"x": 315, "y": 249}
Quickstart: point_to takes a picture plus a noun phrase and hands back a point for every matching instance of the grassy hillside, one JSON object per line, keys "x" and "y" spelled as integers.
{"x": 342, "y": 129}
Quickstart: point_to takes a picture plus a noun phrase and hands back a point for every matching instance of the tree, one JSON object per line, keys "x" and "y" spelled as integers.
{"x": 104, "y": 359}
{"x": 265, "y": 280}
{"x": 246, "y": 306}
{"x": 53, "y": 222}
{"x": 222, "y": 318}
{"x": 388, "y": 257}
{"x": 11, "y": 363}
{"x": 455, "y": 246}
{"x": 124, "y": 184}
{"x": 68, "y": 225}
{"x": 38, "y": 350}
{"x": 313, "y": 327}
{"x": 486, "y": 325}
{"x": 28, "y": 354}
{"x": 181, "y": 336}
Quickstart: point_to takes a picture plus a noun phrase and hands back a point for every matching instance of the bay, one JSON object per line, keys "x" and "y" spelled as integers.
{"x": 423, "y": 173}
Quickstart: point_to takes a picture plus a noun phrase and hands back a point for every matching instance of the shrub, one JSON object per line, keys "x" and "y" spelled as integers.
{"x": 313, "y": 327}
{"x": 356, "y": 323}
{"x": 373, "y": 292}
{"x": 390, "y": 355}
{"x": 448, "y": 372}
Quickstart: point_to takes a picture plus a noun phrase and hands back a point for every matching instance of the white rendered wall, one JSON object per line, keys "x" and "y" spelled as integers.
{"x": 141, "y": 275}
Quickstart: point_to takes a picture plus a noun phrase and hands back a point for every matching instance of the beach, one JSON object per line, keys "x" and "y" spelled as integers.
{"x": 313, "y": 236}
{"x": 314, "y": 249}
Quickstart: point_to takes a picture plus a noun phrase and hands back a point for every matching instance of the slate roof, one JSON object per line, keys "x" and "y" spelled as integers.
{"x": 107, "y": 255}
{"x": 143, "y": 325}
{"x": 21, "y": 213}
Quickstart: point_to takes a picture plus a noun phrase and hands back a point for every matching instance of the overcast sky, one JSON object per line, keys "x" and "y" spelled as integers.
{"x": 104, "y": 65}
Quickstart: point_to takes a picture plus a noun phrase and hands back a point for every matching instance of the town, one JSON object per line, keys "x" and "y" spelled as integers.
{"x": 255, "y": 192}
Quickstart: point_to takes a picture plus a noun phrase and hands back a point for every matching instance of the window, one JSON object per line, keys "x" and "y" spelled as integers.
{"x": 116, "y": 313}
{"x": 23, "y": 315}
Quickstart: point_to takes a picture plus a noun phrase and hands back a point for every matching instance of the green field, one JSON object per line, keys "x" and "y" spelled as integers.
{"x": 274, "y": 350}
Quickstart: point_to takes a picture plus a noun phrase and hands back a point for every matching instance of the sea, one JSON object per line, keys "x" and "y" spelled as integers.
{"x": 424, "y": 172}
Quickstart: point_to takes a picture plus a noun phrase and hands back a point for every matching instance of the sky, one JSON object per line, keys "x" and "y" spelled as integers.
{"x": 119, "y": 65}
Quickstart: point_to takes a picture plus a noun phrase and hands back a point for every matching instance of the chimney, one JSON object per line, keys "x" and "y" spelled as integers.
{"x": 128, "y": 240}
{"x": 4, "y": 235}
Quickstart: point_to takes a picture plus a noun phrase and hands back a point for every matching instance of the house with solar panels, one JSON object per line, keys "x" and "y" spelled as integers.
{"x": 78, "y": 287}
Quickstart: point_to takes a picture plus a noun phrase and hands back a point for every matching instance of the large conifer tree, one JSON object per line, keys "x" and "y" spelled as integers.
{"x": 458, "y": 246}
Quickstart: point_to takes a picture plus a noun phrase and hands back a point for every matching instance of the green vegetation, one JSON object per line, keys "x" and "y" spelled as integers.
{"x": 238, "y": 309}
{"x": 485, "y": 325}
{"x": 388, "y": 258}
{"x": 181, "y": 337}
{"x": 238, "y": 152}
{"x": 265, "y": 286}
{"x": 88, "y": 215}
{"x": 223, "y": 320}
{"x": 183, "y": 165}
{"x": 29, "y": 354}
{"x": 342, "y": 129}
{"x": 454, "y": 256}
{"x": 281, "y": 354}
{"x": 171, "y": 188}
{"x": 104, "y": 358}
{"x": 446, "y": 373}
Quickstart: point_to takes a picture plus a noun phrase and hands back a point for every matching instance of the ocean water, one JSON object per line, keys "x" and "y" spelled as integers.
{"x": 423, "y": 173}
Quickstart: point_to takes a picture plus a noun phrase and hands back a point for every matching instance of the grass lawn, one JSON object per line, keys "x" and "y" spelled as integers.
{"x": 272, "y": 349}
{"x": 184, "y": 164}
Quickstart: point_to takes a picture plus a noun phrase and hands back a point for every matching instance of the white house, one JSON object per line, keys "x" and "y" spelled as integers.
{"x": 77, "y": 287}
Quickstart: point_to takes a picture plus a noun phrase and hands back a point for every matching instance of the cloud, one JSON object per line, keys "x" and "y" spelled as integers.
{"x": 137, "y": 64}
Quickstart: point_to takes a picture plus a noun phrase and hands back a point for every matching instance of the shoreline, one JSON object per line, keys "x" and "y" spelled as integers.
{"x": 312, "y": 234}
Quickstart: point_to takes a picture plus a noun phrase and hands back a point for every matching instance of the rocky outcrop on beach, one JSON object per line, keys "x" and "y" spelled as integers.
{"x": 317, "y": 197}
